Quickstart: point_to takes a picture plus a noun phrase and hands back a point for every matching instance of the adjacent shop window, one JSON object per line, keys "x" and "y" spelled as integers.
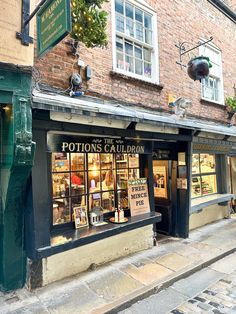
{"x": 203, "y": 175}
{"x": 134, "y": 40}
{"x": 212, "y": 87}
{"x": 88, "y": 181}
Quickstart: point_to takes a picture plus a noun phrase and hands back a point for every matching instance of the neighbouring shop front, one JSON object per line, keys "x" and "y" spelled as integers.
{"x": 94, "y": 196}
{"x": 210, "y": 189}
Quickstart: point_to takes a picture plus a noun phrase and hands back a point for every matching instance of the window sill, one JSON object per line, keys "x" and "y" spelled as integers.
{"x": 71, "y": 239}
{"x": 204, "y": 201}
{"x": 135, "y": 80}
{"x": 211, "y": 102}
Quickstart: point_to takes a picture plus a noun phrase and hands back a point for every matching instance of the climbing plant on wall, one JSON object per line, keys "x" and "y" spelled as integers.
{"x": 89, "y": 22}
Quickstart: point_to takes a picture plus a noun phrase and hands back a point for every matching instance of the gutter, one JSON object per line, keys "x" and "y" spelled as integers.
{"x": 227, "y": 11}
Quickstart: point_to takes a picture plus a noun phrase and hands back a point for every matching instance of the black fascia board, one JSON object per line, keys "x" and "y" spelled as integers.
{"x": 227, "y": 11}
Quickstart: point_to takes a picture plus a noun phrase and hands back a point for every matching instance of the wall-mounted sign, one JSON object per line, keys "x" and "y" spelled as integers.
{"x": 160, "y": 182}
{"x": 138, "y": 196}
{"x": 80, "y": 144}
{"x": 53, "y": 24}
{"x": 182, "y": 184}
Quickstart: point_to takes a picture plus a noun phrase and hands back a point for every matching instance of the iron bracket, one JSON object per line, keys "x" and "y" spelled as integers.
{"x": 183, "y": 51}
{"x": 26, "y": 18}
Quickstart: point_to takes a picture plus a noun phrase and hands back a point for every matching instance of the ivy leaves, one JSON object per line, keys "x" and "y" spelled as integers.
{"x": 89, "y": 22}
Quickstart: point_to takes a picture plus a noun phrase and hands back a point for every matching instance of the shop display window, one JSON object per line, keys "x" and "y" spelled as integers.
{"x": 90, "y": 180}
{"x": 203, "y": 175}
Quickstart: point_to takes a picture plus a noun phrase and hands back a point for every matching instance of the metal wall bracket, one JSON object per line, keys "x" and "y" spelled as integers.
{"x": 26, "y": 18}
{"x": 183, "y": 50}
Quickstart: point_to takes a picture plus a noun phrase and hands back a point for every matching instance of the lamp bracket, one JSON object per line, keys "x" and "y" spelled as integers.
{"x": 183, "y": 49}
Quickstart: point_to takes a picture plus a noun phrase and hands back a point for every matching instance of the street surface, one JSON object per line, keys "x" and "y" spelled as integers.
{"x": 211, "y": 290}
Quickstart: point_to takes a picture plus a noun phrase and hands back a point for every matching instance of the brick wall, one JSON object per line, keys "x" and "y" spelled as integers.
{"x": 178, "y": 21}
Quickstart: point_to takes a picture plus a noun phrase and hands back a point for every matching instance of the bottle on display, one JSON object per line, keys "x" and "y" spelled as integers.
{"x": 121, "y": 215}
{"x": 116, "y": 216}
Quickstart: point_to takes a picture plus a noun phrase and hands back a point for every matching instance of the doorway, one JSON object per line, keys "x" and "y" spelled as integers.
{"x": 164, "y": 176}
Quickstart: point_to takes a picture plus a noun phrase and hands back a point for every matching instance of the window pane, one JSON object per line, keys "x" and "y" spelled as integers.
{"x": 196, "y": 187}
{"x": 120, "y": 61}
{"x": 147, "y": 69}
{"x": 60, "y": 162}
{"x": 139, "y": 31}
{"x": 106, "y": 161}
{"x": 121, "y": 161}
{"x": 119, "y": 6}
{"x": 107, "y": 180}
{"x": 119, "y": 44}
{"x": 138, "y": 52}
{"x": 108, "y": 201}
{"x": 207, "y": 163}
{"x": 128, "y": 48}
{"x": 94, "y": 200}
{"x": 122, "y": 178}
{"x": 78, "y": 201}
{"x": 139, "y": 15}
{"x": 60, "y": 184}
{"x": 61, "y": 211}
{"x": 133, "y": 174}
{"x": 195, "y": 164}
{"x": 138, "y": 67}
{"x": 93, "y": 162}
{"x": 148, "y": 36}
{"x": 134, "y": 161}
{"x": 147, "y": 54}
{"x": 147, "y": 21}
{"x": 130, "y": 28}
{"x": 77, "y": 161}
{"x": 123, "y": 199}
{"x": 208, "y": 184}
{"x": 129, "y": 64}
{"x": 129, "y": 10}
{"x": 120, "y": 25}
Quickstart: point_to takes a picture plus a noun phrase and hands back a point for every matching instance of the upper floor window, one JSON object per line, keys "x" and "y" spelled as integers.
{"x": 212, "y": 87}
{"x": 135, "y": 51}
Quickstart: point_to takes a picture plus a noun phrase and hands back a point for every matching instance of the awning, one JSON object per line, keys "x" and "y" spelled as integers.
{"x": 103, "y": 108}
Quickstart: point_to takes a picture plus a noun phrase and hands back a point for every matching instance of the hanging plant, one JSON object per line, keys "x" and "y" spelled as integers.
{"x": 231, "y": 104}
{"x": 89, "y": 22}
{"x": 198, "y": 68}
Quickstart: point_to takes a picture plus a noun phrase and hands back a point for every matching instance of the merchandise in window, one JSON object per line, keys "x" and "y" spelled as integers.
{"x": 203, "y": 175}
{"x": 89, "y": 181}
{"x": 212, "y": 86}
{"x": 134, "y": 39}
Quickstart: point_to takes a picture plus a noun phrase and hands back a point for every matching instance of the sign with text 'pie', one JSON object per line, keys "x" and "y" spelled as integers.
{"x": 138, "y": 197}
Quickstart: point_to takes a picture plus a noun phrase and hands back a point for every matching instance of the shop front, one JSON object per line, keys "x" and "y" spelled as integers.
{"x": 93, "y": 194}
{"x": 210, "y": 189}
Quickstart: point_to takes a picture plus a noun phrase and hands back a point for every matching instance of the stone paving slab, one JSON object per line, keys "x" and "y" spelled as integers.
{"x": 226, "y": 265}
{"x": 113, "y": 285}
{"x": 148, "y": 273}
{"x": 174, "y": 261}
{"x": 195, "y": 283}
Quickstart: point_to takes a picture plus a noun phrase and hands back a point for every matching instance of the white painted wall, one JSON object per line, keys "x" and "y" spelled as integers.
{"x": 75, "y": 261}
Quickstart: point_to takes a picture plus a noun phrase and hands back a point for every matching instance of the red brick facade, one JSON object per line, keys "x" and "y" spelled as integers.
{"x": 177, "y": 21}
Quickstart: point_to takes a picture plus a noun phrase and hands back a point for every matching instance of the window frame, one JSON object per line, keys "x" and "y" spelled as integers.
{"x": 87, "y": 194}
{"x": 215, "y": 49}
{"x": 154, "y": 54}
{"x": 202, "y": 175}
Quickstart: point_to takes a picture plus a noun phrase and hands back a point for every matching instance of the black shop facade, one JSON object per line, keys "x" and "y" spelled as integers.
{"x": 99, "y": 193}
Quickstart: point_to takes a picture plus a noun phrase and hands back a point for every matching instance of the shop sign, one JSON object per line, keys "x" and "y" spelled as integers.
{"x": 78, "y": 144}
{"x": 138, "y": 196}
{"x": 53, "y": 24}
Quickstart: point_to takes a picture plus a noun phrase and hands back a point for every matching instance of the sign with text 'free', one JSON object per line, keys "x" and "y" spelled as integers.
{"x": 53, "y": 24}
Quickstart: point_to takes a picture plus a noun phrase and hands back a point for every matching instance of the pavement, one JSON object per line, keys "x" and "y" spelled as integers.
{"x": 117, "y": 285}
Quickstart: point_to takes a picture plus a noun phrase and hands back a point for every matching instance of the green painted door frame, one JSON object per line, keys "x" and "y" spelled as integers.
{"x": 17, "y": 153}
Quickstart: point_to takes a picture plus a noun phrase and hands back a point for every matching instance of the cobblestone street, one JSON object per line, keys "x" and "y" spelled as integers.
{"x": 217, "y": 298}
{"x": 210, "y": 290}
